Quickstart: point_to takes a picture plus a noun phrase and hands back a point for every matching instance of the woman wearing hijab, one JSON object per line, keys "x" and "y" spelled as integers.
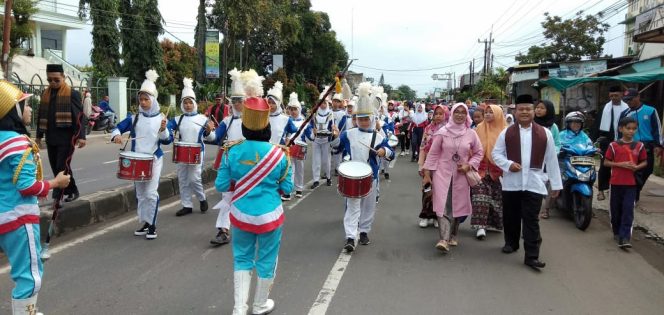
{"x": 509, "y": 119}
{"x": 420, "y": 121}
{"x": 405, "y": 119}
{"x": 455, "y": 150}
{"x": 545, "y": 116}
{"x": 487, "y": 196}
{"x": 148, "y": 132}
{"x": 20, "y": 186}
{"x": 440, "y": 117}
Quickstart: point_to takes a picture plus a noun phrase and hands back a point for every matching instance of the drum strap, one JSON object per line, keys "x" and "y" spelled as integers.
{"x": 227, "y": 130}
{"x": 177, "y": 128}
{"x": 132, "y": 132}
{"x": 373, "y": 139}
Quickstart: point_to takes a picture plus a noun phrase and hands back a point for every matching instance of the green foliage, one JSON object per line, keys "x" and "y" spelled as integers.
{"x": 105, "y": 54}
{"x": 490, "y": 86}
{"x": 181, "y": 61}
{"x": 403, "y": 92}
{"x": 141, "y": 25}
{"x": 21, "y": 29}
{"x": 568, "y": 40}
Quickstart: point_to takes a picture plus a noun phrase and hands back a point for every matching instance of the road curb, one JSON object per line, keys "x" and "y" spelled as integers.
{"x": 104, "y": 205}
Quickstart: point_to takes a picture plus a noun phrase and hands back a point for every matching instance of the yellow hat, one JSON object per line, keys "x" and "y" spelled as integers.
{"x": 255, "y": 113}
{"x": 9, "y": 96}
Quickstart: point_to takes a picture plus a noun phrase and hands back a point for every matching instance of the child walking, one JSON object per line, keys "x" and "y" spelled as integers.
{"x": 625, "y": 157}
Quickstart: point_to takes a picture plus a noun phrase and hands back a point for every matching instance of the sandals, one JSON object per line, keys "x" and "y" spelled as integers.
{"x": 544, "y": 214}
{"x": 600, "y": 196}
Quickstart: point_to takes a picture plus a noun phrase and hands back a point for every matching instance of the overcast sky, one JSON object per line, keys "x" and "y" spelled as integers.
{"x": 417, "y": 38}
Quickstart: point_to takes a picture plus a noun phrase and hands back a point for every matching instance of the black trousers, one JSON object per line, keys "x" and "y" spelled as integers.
{"x": 523, "y": 206}
{"x": 57, "y": 157}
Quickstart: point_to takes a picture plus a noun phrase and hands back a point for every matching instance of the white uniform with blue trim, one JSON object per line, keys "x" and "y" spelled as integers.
{"x": 360, "y": 212}
{"x": 298, "y": 165}
{"x": 321, "y": 144}
{"x": 280, "y": 126}
{"x": 192, "y": 130}
{"x": 146, "y": 139}
{"x": 340, "y": 121}
{"x": 230, "y": 129}
{"x": 19, "y": 215}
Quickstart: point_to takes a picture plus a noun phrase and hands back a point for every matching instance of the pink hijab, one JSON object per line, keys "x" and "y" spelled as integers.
{"x": 432, "y": 128}
{"x": 454, "y": 129}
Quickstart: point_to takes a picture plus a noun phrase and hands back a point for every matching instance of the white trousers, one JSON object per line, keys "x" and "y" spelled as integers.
{"x": 224, "y": 206}
{"x": 298, "y": 174}
{"x": 360, "y": 213}
{"x": 385, "y": 165}
{"x": 336, "y": 159}
{"x": 189, "y": 180}
{"x": 321, "y": 158}
{"x": 148, "y": 195}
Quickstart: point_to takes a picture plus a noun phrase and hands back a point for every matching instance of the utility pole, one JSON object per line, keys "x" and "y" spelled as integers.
{"x": 6, "y": 38}
{"x": 487, "y": 52}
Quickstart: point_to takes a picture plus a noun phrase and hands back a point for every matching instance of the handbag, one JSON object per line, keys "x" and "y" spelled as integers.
{"x": 473, "y": 178}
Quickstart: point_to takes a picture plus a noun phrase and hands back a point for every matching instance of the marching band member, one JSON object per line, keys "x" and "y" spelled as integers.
{"x": 339, "y": 116}
{"x": 228, "y": 132}
{"x": 294, "y": 109}
{"x": 363, "y": 144}
{"x": 280, "y": 124}
{"x": 322, "y": 126}
{"x": 21, "y": 184}
{"x": 256, "y": 210}
{"x": 350, "y": 118}
{"x": 147, "y": 130}
{"x": 191, "y": 127}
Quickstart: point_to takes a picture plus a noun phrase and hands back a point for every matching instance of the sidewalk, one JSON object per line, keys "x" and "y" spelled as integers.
{"x": 649, "y": 212}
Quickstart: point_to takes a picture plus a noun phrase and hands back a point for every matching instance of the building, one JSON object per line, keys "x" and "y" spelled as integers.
{"x": 49, "y": 41}
{"x": 640, "y": 13}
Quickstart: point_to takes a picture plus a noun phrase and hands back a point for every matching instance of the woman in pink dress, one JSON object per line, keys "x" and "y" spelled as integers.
{"x": 454, "y": 151}
{"x": 440, "y": 117}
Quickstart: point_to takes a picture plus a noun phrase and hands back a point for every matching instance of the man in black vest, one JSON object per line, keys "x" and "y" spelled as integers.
{"x": 61, "y": 120}
{"x": 526, "y": 153}
{"x": 605, "y": 131}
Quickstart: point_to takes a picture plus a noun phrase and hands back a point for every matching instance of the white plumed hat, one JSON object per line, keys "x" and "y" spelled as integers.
{"x": 148, "y": 85}
{"x": 237, "y": 87}
{"x": 293, "y": 101}
{"x": 364, "y": 102}
{"x": 276, "y": 92}
{"x": 188, "y": 89}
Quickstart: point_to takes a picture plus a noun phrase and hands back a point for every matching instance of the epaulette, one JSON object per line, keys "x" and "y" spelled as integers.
{"x": 230, "y": 144}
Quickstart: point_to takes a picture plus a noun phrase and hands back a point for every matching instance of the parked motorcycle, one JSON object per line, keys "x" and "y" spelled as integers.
{"x": 578, "y": 175}
{"x": 98, "y": 120}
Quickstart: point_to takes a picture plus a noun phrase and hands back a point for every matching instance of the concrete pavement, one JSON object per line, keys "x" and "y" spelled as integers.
{"x": 104, "y": 269}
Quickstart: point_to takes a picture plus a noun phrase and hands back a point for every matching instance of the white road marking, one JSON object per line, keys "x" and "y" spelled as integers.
{"x": 85, "y": 238}
{"x": 109, "y": 162}
{"x": 329, "y": 288}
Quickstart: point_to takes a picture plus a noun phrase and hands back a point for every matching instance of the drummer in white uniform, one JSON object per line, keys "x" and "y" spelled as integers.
{"x": 339, "y": 115}
{"x": 148, "y": 132}
{"x": 295, "y": 111}
{"x": 321, "y": 127}
{"x": 228, "y": 132}
{"x": 363, "y": 144}
{"x": 280, "y": 124}
{"x": 191, "y": 128}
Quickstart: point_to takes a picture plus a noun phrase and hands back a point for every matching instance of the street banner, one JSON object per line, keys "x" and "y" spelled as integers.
{"x": 212, "y": 54}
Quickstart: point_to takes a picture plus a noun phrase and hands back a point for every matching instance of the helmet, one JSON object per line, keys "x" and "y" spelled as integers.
{"x": 575, "y": 116}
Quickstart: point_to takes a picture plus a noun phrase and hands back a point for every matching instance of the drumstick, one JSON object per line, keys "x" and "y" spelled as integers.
{"x": 368, "y": 146}
{"x": 136, "y": 138}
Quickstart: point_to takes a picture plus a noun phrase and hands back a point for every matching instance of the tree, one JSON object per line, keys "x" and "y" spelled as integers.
{"x": 105, "y": 52}
{"x": 21, "y": 29}
{"x": 404, "y": 92}
{"x": 199, "y": 38}
{"x": 181, "y": 61}
{"x": 141, "y": 25}
{"x": 568, "y": 40}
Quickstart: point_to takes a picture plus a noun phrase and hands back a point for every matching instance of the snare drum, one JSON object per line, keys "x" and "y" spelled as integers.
{"x": 135, "y": 166}
{"x": 355, "y": 179}
{"x": 187, "y": 153}
{"x": 298, "y": 150}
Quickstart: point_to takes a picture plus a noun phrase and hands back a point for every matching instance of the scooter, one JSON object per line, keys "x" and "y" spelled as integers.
{"x": 99, "y": 121}
{"x": 578, "y": 175}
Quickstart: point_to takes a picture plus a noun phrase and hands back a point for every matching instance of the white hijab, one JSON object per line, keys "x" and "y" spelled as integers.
{"x": 420, "y": 117}
{"x": 154, "y": 108}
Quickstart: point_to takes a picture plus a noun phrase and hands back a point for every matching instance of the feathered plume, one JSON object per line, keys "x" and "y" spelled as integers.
{"x": 151, "y": 75}
{"x": 235, "y": 74}
{"x": 364, "y": 89}
{"x": 320, "y": 96}
{"x": 278, "y": 85}
{"x": 188, "y": 83}
{"x": 253, "y": 83}
{"x": 293, "y": 101}
{"x": 346, "y": 92}
{"x": 337, "y": 85}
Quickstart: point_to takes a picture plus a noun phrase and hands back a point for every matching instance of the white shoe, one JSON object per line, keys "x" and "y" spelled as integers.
{"x": 435, "y": 223}
{"x": 407, "y": 152}
{"x": 481, "y": 234}
{"x": 263, "y": 305}
{"x": 45, "y": 254}
{"x": 25, "y": 306}
{"x": 424, "y": 223}
{"x": 241, "y": 281}
{"x": 402, "y": 153}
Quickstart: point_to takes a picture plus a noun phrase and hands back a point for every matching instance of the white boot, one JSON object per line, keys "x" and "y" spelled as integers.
{"x": 45, "y": 254}
{"x": 242, "y": 282}
{"x": 25, "y": 306}
{"x": 263, "y": 305}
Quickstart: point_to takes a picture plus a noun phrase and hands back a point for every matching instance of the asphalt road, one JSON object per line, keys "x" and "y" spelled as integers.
{"x": 106, "y": 270}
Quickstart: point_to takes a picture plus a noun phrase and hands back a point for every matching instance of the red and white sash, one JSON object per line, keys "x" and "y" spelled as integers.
{"x": 256, "y": 175}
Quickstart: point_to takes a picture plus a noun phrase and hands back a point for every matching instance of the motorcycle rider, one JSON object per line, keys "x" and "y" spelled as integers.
{"x": 573, "y": 133}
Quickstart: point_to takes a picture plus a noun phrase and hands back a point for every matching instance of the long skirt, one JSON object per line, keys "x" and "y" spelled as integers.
{"x": 487, "y": 201}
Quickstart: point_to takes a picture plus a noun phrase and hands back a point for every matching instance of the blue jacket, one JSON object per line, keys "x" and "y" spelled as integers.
{"x": 650, "y": 127}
